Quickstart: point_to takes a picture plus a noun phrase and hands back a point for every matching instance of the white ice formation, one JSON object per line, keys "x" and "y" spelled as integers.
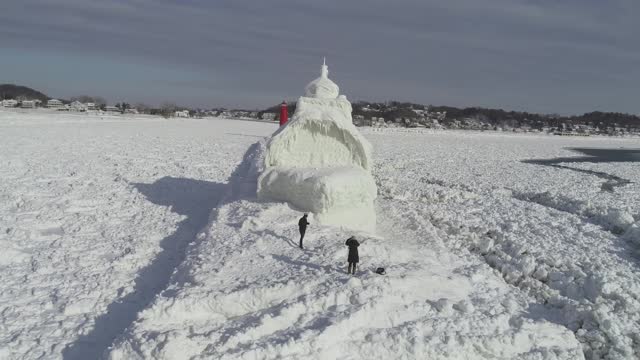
{"x": 322, "y": 87}
{"x": 319, "y": 162}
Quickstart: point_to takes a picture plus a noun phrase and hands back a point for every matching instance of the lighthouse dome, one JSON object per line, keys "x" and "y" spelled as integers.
{"x": 322, "y": 87}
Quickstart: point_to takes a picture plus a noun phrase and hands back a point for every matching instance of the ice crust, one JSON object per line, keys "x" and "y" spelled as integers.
{"x": 319, "y": 162}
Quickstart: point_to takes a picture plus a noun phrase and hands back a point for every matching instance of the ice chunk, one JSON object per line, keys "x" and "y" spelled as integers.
{"x": 633, "y": 233}
{"x": 618, "y": 220}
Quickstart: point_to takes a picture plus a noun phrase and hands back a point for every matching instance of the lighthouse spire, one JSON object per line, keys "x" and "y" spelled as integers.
{"x": 325, "y": 69}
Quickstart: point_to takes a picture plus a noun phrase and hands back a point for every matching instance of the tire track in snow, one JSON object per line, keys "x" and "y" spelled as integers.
{"x": 194, "y": 199}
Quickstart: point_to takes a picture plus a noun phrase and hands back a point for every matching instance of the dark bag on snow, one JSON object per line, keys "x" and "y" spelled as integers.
{"x": 380, "y": 271}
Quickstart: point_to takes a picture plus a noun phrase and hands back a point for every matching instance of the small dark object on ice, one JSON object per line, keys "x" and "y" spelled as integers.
{"x": 380, "y": 271}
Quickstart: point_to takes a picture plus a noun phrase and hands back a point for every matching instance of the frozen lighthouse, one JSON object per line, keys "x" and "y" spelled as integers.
{"x": 319, "y": 162}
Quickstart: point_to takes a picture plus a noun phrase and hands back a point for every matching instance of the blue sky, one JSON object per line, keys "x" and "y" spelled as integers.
{"x": 536, "y": 55}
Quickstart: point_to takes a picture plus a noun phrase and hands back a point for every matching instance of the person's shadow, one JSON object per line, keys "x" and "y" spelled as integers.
{"x": 192, "y": 198}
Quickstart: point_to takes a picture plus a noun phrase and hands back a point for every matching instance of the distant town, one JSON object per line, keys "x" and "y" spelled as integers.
{"x": 391, "y": 114}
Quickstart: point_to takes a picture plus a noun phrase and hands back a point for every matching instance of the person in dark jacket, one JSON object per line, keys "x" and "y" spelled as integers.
{"x": 353, "y": 258}
{"x": 302, "y": 226}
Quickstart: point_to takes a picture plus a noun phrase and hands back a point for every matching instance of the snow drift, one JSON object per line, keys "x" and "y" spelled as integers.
{"x": 319, "y": 162}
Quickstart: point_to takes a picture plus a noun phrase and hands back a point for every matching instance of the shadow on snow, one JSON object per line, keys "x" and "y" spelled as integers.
{"x": 194, "y": 199}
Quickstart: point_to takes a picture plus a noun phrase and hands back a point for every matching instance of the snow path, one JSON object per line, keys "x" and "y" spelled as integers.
{"x": 247, "y": 291}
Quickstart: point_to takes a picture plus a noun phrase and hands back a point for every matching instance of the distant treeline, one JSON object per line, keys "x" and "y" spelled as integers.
{"x": 17, "y": 92}
{"x": 392, "y": 110}
{"x": 518, "y": 118}
{"x": 389, "y": 110}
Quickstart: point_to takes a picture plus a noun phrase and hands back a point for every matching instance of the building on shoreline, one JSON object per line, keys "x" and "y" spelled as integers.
{"x": 28, "y": 104}
{"x": 9, "y": 103}
{"x": 77, "y": 106}
{"x": 268, "y": 116}
{"x": 54, "y": 104}
{"x": 182, "y": 113}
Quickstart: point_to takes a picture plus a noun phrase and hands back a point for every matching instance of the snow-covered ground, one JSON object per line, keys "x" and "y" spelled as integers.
{"x": 95, "y": 213}
{"x": 114, "y": 242}
{"x": 550, "y": 229}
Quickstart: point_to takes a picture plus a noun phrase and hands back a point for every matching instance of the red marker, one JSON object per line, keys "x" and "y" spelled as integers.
{"x": 284, "y": 116}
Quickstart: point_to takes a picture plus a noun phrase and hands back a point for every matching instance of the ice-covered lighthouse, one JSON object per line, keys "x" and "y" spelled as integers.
{"x": 319, "y": 162}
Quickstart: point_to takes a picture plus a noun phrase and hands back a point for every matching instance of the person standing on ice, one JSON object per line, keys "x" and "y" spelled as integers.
{"x": 353, "y": 258}
{"x": 302, "y": 226}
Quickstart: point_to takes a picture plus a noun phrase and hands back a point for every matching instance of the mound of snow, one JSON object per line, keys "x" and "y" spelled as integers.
{"x": 319, "y": 162}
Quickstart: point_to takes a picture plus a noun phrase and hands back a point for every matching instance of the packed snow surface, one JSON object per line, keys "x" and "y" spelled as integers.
{"x": 136, "y": 238}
